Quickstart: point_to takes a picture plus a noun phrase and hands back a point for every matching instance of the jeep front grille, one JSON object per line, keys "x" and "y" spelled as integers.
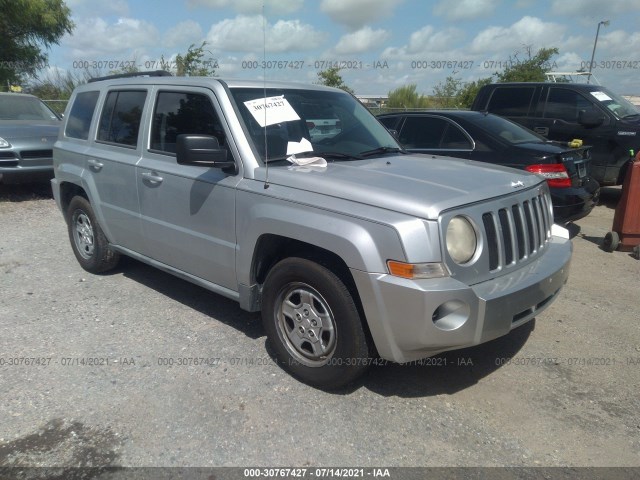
{"x": 515, "y": 233}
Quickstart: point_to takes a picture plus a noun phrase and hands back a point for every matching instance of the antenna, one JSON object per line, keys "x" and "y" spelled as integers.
{"x": 264, "y": 83}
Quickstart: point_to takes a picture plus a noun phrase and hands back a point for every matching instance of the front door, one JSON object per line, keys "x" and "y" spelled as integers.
{"x": 187, "y": 212}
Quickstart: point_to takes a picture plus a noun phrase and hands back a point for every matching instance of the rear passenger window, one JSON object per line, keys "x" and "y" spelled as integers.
{"x": 511, "y": 101}
{"x": 564, "y": 104}
{"x": 422, "y": 132}
{"x": 80, "y": 116}
{"x": 179, "y": 113}
{"x": 120, "y": 120}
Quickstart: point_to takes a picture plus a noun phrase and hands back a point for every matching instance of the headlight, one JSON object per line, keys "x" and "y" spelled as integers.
{"x": 4, "y": 143}
{"x": 461, "y": 240}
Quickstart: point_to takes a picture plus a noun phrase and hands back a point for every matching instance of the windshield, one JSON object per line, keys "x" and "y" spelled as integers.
{"x": 334, "y": 124}
{"x": 24, "y": 108}
{"x": 507, "y": 130}
{"x": 619, "y": 106}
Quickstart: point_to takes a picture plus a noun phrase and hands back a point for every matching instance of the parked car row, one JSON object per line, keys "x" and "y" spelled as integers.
{"x": 566, "y": 111}
{"x": 558, "y": 113}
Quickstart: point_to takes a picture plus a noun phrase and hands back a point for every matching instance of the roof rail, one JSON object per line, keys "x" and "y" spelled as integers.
{"x": 153, "y": 73}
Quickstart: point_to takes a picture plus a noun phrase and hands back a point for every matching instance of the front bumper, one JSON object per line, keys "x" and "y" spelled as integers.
{"x": 14, "y": 170}
{"x": 410, "y": 319}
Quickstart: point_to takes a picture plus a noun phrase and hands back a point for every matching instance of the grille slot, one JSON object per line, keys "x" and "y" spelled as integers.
{"x": 517, "y": 233}
{"x": 36, "y": 153}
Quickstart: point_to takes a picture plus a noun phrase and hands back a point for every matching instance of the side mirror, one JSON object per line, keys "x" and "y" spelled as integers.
{"x": 201, "y": 151}
{"x": 590, "y": 117}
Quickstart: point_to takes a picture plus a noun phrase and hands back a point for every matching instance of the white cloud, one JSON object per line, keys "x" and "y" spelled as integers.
{"x": 361, "y": 41}
{"x": 465, "y": 9}
{"x": 356, "y": 14}
{"x": 428, "y": 41}
{"x": 183, "y": 34}
{"x": 94, "y": 37}
{"x": 592, "y": 8}
{"x": 245, "y": 34}
{"x": 526, "y": 31}
{"x": 93, "y": 8}
{"x": 250, "y": 6}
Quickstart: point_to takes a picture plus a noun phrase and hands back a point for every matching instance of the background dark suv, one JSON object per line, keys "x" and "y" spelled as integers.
{"x": 567, "y": 111}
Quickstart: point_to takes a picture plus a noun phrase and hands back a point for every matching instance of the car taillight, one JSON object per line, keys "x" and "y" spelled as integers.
{"x": 555, "y": 173}
{"x": 311, "y": 125}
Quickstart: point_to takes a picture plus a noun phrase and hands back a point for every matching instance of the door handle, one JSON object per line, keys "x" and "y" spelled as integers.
{"x": 95, "y": 164}
{"x": 151, "y": 178}
{"x": 541, "y": 130}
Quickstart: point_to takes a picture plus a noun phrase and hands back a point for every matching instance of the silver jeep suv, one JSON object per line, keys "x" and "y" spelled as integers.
{"x": 351, "y": 249}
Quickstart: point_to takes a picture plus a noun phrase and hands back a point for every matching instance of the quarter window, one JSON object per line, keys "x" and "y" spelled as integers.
{"x": 179, "y": 113}
{"x": 81, "y": 114}
{"x": 455, "y": 139}
{"x": 120, "y": 120}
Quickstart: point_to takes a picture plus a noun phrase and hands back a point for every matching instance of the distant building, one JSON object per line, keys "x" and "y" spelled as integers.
{"x": 373, "y": 101}
{"x": 635, "y": 99}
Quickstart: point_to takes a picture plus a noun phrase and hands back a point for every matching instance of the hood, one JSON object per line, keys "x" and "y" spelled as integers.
{"x": 417, "y": 185}
{"x": 17, "y": 129}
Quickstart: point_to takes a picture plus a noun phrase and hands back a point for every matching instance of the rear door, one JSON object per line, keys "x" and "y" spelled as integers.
{"x": 188, "y": 212}
{"x": 110, "y": 164}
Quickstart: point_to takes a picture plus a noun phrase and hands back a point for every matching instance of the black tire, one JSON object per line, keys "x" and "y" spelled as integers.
{"x": 611, "y": 242}
{"x": 88, "y": 242}
{"x": 313, "y": 324}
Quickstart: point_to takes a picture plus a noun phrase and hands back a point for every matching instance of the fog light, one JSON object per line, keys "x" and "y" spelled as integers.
{"x": 451, "y": 315}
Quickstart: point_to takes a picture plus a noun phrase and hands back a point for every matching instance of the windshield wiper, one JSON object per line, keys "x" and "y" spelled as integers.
{"x": 340, "y": 155}
{"x": 631, "y": 115}
{"x": 381, "y": 151}
{"x": 336, "y": 155}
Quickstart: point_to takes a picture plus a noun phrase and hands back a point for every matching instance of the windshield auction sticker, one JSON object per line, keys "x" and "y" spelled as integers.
{"x": 271, "y": 110}
{"x": 603, "y": 97}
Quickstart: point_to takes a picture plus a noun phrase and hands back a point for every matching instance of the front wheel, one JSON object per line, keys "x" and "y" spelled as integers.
{"x": 88, "y": 242}
{"x": 313, "y": 324}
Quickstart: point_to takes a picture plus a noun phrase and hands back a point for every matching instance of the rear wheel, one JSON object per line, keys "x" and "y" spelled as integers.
{"x": 313, "y": 324}
{"x": 88, "y": 242}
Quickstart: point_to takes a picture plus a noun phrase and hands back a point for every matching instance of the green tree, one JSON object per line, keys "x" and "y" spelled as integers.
{"x": 407, "y": 97}
{"x": 467, "y": 94}
{"x": 454, "y": 93}
{"x": 446, "y": 93}
{"x": 27, "y": 29}
{"x": 194, "y": 63}
{"x": 331, "y": 78}
{"x": 532, "y": 69}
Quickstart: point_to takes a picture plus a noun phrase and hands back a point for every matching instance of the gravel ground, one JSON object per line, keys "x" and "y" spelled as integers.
{"x": 561, "y": 391}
